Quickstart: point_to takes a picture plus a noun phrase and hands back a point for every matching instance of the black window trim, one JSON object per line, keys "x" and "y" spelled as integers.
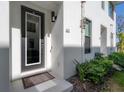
{"x": 25, "y": 9}
{"x": 109, "y": 2}
{"x": 103, "y": 6}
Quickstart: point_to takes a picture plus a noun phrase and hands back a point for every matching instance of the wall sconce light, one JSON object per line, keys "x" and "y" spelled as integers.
{"x": 53, "y": 16}
{"x": 83, "y": 22}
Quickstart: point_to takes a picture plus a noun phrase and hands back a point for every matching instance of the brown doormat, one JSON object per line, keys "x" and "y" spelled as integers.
{"x": 36, "y": 79}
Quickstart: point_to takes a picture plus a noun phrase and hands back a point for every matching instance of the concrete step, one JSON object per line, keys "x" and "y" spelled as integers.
{"x": 117, "y": 67}
{"x": 54, "y": 85}
{"x": 61, "y": 86}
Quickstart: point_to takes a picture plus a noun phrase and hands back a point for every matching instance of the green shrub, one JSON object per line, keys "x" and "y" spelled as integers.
{"x": 81, "y": 69}
{"x": 98, "y": 69}
{"x": 94, "y": 70}
{"x": 98, "y": 55}
{"x": 81, "y": 72}
{"x": 118, "y": 58}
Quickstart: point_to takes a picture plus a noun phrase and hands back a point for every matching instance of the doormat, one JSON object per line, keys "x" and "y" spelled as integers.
{"x": 36, "y": 79}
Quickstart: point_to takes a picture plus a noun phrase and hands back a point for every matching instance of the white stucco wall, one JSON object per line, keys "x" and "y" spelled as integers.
{"x": 4, "y": 46}
{"x": 72, "y": 36}
{"x": 57, "y": 51}
{"x": 99, "y": 17}
{"x": 15, "y": 29}
{"x": 72, "y": 39}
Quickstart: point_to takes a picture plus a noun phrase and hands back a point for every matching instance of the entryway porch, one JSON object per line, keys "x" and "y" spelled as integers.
{"x": 53, "y": 85}
{"x": 20, "y": 45}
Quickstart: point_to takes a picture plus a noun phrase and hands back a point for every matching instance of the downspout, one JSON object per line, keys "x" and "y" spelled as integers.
{"x": 82, "y": 26}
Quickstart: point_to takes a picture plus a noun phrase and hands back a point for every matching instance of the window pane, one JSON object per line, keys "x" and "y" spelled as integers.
{"x": 111, "y": 39}
{"x": 111, "y": 8}
{"x": 87, "y": 44}
{"x": 87, "y": 28}
{"x": 87, "y": 36}
{"x": 103, "y": 5}
{"x": 32, "y": 27}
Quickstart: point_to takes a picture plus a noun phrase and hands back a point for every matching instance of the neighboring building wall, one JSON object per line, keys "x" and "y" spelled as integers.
{"x": 15, "y": 29}
{"x": 57, "y": 51}
{"x": 72, "y": 31}
{"x": 99, "y": 17}
{"x": 4, "y": 46}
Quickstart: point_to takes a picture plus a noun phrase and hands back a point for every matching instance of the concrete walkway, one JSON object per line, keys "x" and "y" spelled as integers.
{"x": 54, "y": 85}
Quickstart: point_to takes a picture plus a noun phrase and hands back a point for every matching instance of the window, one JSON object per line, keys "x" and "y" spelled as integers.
{"x": 111, "y": 49}
{"x": 111, "y": 9}
{"x": 87, "y": 36}
{"x": 31, "y": 43}
{"x": 31, "y": 27}
{"x": 103, "y": 4}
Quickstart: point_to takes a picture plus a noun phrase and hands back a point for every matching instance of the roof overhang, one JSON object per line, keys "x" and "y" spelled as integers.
{"x": 117, "y": 2}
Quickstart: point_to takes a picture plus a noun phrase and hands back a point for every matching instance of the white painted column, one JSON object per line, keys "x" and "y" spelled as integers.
{"x": 16, "y": 53}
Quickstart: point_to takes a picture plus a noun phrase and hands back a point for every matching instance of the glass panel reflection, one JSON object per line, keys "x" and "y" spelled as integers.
{"x": 33, "y": 24}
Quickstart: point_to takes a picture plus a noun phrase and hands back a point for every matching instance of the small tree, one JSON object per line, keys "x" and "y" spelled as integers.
{"x": 120, "y": 33}
{"x": 120, "y": 44}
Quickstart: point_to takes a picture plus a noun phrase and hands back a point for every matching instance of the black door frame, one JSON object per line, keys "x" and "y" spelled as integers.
{"x": 25, "y": 9}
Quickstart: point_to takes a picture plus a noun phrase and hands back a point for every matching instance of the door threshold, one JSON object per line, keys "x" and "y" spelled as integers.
{"x": 33, "y": 72}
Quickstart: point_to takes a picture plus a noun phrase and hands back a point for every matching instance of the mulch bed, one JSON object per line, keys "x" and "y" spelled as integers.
{"x": 86, "y": 86}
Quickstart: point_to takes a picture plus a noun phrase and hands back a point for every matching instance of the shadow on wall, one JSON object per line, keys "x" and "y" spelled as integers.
{"x": 4, "y": 69}
{"x": 71, "y": 53}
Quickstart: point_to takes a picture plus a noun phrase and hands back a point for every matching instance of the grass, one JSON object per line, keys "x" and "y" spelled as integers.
{"x": 115, "y": 83}
{"x": 118, "y": 77}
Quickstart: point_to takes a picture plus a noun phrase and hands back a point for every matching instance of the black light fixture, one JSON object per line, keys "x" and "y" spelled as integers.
{"x": 53, "y": 16}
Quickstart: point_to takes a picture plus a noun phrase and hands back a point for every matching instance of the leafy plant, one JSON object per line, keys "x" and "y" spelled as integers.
{"x": 98, "y": 70}
{"x": 98, "y": 55}
{"x": 118, "y": 58}
{"x": 81, "y": 72}
{"x": 120, "y": 44}
{"x": 120, "y": 33}
{"x": 81, "y": 69}
{"x": 94, "y": 70}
